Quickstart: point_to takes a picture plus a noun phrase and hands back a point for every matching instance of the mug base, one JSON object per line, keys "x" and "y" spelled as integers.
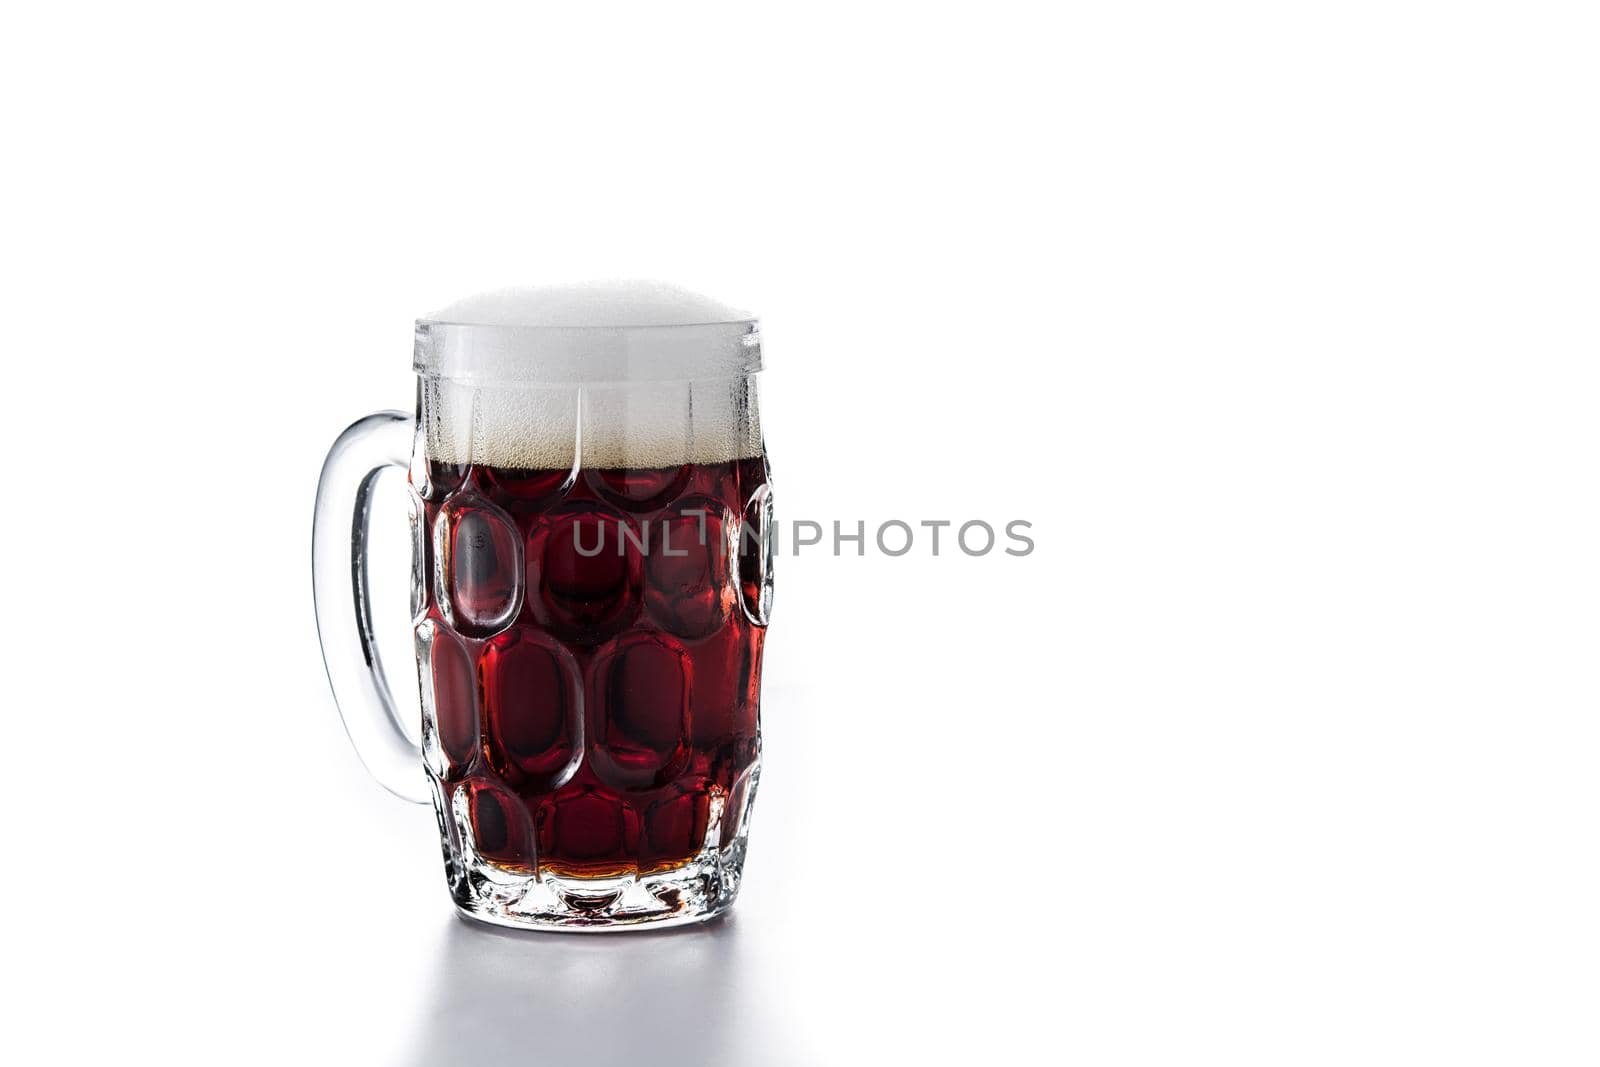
{"x": 701, "y": 889}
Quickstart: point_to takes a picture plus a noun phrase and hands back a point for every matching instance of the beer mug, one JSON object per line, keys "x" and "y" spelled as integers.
{"x": 592, "y": 544}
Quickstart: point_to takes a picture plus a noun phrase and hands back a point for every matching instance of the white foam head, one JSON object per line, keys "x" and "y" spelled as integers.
{"x": 608, "y": 374}
{"x": 606, "y": 305}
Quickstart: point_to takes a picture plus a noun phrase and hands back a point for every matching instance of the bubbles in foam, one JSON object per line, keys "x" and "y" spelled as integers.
{"x": 606, "y": 374}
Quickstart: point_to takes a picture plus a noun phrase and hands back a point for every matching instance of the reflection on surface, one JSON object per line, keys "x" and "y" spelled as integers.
{"x": 677, "y": 996}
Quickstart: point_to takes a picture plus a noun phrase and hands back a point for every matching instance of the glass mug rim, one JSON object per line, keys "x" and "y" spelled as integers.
{"x": 640, "y": 354}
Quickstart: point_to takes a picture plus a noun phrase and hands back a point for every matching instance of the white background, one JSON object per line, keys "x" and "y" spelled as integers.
{"x": 1278, "y": 321}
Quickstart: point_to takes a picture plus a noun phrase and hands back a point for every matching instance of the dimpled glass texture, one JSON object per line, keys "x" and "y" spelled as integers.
{"x": 589, "y": 652}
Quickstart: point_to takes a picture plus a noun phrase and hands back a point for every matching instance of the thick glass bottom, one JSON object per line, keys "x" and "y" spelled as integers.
{"x": 699, "y": 889}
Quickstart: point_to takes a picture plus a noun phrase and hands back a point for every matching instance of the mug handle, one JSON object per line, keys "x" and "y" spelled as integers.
{"x": 339, "y": 587}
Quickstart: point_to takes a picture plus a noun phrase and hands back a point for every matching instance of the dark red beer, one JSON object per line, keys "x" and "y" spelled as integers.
{"x": 593, "y": 655}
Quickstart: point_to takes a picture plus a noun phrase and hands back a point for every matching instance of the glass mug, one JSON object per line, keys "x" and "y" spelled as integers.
{"x": 590, "y": 589}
